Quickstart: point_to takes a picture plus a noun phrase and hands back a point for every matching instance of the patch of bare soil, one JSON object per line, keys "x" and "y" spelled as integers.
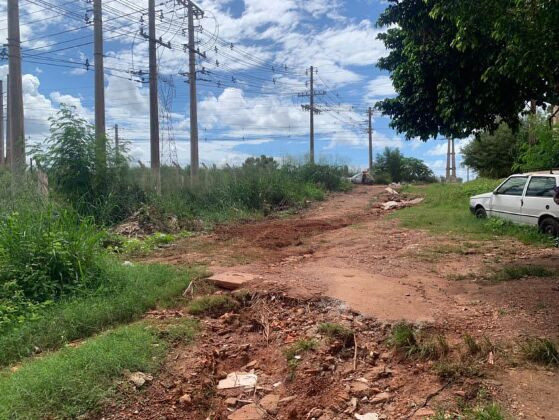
{"x": 345, "y": 249}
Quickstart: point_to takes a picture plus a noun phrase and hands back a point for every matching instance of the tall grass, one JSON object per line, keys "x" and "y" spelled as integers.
{"x": 126, "y": 294}
{"x": 446, "y": 210}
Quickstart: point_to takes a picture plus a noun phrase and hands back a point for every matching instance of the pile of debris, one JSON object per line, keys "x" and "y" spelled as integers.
{"x": 394, "y": 200}
{"x": 275, "y": 359}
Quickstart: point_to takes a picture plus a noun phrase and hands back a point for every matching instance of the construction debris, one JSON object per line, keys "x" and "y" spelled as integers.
{"x": 368, "y": 416}
{"x": 231, "y": 280}
{"x": 238, "y": 380}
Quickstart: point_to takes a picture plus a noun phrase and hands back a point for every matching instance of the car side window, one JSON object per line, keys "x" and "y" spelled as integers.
{"x": 513, "y": 186}
{"x": 541, "y": 186}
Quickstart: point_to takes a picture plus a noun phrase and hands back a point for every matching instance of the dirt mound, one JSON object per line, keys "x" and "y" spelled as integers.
{"x": 276, "y": 234}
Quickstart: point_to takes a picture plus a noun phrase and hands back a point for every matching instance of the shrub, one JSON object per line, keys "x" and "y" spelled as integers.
{"x": 43, "y": 257}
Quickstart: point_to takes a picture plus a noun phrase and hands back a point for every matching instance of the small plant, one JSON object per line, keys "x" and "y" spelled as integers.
{"x": 453, "y": 370}
{"x": 215, "y": 305}
{"x": 516, "y": 272}
{"x": 337, "y": 332}
{"x": 293, "y": 352}
{"x": 412, "y": 343}
{"x": 542, "y": 351}
{"x": 182, "y": 331}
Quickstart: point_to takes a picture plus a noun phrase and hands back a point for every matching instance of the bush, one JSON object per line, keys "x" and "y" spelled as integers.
{"x": 44, "y": 256}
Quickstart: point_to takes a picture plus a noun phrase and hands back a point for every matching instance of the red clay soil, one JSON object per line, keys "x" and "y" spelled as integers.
{"x": 344, "y": 260}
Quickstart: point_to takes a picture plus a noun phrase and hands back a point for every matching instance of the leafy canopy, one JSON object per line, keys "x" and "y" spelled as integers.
{"x": 460, "y": 66}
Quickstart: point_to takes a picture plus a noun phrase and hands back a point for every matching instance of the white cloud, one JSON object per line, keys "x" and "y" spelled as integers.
{"x": 379, "y": 88}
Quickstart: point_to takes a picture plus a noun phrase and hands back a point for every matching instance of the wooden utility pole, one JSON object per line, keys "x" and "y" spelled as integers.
{"x": 2, "y": 122}
{"x": 153, "y": 99}
{"x": 16, "y": 92}
{"x": 370, "y": 141}
{"x": 312, "y": 110}
{"x": 194, "y": 157}
{"x": 100, "y": 129}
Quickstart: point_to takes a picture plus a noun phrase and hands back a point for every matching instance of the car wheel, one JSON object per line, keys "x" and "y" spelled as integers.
{"x": 481, "y": 213}
{"x": 549, "y": 226}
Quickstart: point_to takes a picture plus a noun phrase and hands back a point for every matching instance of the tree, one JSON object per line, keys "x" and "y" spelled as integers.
{"x": 493, "y": 155}
{"x": 395, "y": 166}
{"x": 459, "y": 66}
{"x": 262, "y": 162}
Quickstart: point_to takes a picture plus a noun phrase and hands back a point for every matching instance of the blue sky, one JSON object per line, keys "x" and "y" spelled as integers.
{"x": 257, "y": 53}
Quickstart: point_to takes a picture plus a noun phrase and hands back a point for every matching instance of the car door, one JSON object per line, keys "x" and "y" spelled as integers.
{"x": 538, "y": 198}
{"x": 507, "y": 199}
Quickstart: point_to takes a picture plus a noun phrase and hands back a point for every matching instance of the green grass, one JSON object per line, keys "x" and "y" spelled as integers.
{"x": 515, "y": 272}
{"x": 130, "y": 292}
{"x": 74, "y": 381}
{"x": 412, "y": 343}
{"x": 181, "y": 331}
{"x": 452, "y": 370}
{"x": 542, "y": 351}
{"x": 215, "y": 305}
{"x": 300, "y": 346}
{"x": 337, "y": 332}
{"x": 446, "y": 211}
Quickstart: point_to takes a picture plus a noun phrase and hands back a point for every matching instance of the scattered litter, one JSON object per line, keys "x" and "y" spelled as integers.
{"x": 368, "y": 416}
{"x": 128, "y": 264}
{"x": 238, "y": 380}
{"x": 391, "y": 191}
{"x": 139, "y": 378}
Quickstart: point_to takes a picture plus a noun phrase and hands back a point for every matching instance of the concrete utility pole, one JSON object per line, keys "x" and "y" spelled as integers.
{"x": 16, "y": 92}
{"x": 194, "y": 158}
{"x": 454, "y": 178}
{"x": 100, "y": 129}
{"x": 312, "y": 110}
{"x": 1, "y": 122}
{"x": 153, "y": 99}
{"x": 448, "y": 161}
{"x": 370, "y": 141}
{"x": 8, "y": 124}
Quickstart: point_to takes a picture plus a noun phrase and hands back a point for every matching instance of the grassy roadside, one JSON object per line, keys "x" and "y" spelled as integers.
{"x": 132, "y": 291}
{"x": 446, "y": 211}
{"x": 73, "y": 381}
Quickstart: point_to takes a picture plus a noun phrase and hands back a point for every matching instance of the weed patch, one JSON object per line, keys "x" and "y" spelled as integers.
{"x": 451, "y": 370}
{"x": 74, "y": 381}
{"x": 337, "y": 332}
{"x": 406, "y": 339}
{"x": 293, "y": 353}
{"x": 215, "y": 305}
{"x": 516, "y": 272}
{"x": 542, "y": 351}
{"x": 181, "y": 331}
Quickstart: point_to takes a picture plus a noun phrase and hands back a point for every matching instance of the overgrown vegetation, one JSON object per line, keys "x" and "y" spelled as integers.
{"x": 73, "y": 381}
{"x": 126, "y": 294}
{"x": 486, "y": 411}
{"x": 446, "y": 210}
{"x": 542, "y": 351}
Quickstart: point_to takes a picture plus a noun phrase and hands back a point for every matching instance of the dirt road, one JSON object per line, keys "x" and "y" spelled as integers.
{"x": 348, "y": 250}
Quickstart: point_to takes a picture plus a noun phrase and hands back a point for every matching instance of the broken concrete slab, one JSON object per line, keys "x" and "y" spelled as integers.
{"x": 238, "y": 380}
{"x": 231, "y": 280}
{"x": 368, "y": 416}
{"x": 248, "y": 412}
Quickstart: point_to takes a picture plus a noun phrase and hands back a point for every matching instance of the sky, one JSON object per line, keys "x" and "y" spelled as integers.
{"x": 254, "y": 64}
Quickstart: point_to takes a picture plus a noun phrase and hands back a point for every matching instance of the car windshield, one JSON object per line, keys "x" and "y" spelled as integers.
{"x": 513, "y": 186}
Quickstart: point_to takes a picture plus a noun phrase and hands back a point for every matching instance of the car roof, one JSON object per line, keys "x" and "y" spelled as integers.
{"x": 555, "y": 173}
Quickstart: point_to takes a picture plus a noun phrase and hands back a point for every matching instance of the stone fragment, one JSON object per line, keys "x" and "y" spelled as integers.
{"x": 231, "y": 280}
{"x": 381, "y": 398}
{"x": 270, "y": 403}
{"x": 248, "y": 412}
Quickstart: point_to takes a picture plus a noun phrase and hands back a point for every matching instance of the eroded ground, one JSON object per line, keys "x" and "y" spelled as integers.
{"x": 344, "y": 261}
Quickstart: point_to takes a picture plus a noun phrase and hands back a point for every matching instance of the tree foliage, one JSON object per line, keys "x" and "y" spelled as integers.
{"x": 392, "y": 165}
{"x": 460, "y": 66}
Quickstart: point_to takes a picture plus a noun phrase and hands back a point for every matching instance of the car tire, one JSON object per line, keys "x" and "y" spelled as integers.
{"x": 480, "y": 213}
{"x": 550, "y": 226}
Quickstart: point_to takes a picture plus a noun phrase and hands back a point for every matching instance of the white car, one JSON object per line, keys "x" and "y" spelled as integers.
{"x": 523, "y": 198}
